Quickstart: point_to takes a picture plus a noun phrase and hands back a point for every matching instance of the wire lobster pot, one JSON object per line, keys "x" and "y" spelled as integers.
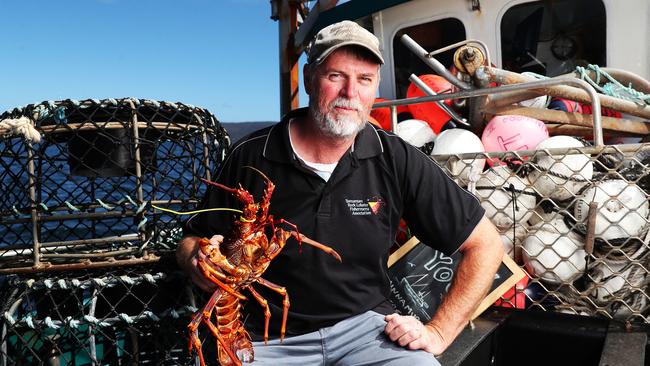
{"x": 79, "y": 179}
{"x": 575, "y": 219}
{"x": 88, "y": 275}
{"x": 117, "y": 316}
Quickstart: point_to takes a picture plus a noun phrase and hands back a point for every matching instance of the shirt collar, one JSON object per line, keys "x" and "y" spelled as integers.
{"x": 278, "y": 148}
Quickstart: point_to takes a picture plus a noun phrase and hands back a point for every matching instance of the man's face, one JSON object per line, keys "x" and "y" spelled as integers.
{"x": 341, "y": 92}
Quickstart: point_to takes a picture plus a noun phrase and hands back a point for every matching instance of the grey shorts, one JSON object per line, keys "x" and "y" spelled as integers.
{"x": 359, "y": 340}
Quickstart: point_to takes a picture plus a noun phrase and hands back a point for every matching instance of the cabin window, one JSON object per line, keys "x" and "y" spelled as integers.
{"x": 431, "y": 36}
{"x": 552, "y": 37}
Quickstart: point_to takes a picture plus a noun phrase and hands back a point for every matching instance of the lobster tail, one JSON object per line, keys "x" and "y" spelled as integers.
{"x": 231, "y": 330}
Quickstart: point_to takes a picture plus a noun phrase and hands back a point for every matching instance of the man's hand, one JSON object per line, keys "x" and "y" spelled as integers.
{"x": 187, "y": 256}
{"x": 410, "y": 333}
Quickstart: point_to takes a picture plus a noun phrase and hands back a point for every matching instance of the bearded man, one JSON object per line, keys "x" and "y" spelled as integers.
{"x": 346, "y": 184}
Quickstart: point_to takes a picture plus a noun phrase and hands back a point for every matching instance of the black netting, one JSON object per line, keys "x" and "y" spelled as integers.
{"x": 86, "y": 261}
{"x": 84, "y": 193}
{"x": 123, "y": 316}
{"x": 540, "y": 201}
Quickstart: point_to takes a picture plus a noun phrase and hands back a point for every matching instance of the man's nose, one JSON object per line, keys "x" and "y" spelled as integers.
{"x": 349, "y": 89}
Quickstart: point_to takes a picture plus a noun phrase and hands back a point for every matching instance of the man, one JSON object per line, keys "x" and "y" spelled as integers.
{"x": 346, "y": 184}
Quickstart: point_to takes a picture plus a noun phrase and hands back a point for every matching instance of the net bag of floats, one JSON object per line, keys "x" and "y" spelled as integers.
{"x": 575, "y": 217}
{"x": 87, "y": 273}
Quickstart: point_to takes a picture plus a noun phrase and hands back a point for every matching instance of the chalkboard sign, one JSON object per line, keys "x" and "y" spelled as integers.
{"x": 420, "y": 276}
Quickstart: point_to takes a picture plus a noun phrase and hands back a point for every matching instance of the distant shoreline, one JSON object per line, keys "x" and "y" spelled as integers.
{"x": 237, "y": 130}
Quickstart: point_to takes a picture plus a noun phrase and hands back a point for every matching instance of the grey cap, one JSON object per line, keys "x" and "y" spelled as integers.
{"x": 345, "y": 33}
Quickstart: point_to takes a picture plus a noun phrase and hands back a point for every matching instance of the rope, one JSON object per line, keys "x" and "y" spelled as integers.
{"x": 514, "y": 228}
{"x": 15, "y": 210}
{"x": 104, "y": 205}
{"x": 523, "y": 168}
{"x": 473, "y": 177}
{"x": 108, "y": 281}
{"x": 142, "y": 223}
{"x": 630, "y": 297}
{"x": 10, "y": 319}
{"x": 59, "y": 116}
{"x": 71, "y": 206}
{"x": 21, "y": 126}
{"x": 70, "y": 322}
{"x": 507, "y": 189}
{"x": 109, "y": 207}
{"x": 612, "y": 88}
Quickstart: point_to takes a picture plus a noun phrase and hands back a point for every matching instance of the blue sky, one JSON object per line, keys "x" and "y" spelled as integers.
{"x": 218, "y": 54}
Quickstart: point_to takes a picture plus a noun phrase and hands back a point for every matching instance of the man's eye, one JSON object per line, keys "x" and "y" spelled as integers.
{"x": 334, "y": 76}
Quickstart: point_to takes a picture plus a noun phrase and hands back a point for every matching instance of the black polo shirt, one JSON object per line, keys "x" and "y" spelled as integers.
{"x": 378, "y": 181}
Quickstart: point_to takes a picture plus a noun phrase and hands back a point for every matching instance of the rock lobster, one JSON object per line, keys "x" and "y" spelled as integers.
{"x": 247, "y": 254}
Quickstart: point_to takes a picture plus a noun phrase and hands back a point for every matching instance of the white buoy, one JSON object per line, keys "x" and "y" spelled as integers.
{"x": 540, "y": 216}
{"x": 612, "y": 280}
{"x": 416, "y": 132}
{"x": 516, "y": 232}
{"x": 459, "y": 141}
{"x": 622, "y": 209}
{"x": 550, "y": 181}
{"x": 492, "y": 188}
{"x": 554, "y": 253}
{"x": 538, "y": 102}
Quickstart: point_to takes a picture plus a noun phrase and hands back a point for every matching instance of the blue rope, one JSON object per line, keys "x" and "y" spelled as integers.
{"x": 142, "y": 223}
{"x": 131, "y": 200}
{"x": 612, "y": 88}
{"x": 141, "y": 208}
{"x": 50, "y": 323}
{"x": 59, "y": 116}
{"x": 94, "y": 282}
{"x": 71, "y": 207}
{"x": 104, "y": 205}
{"x": 15, "y": 210}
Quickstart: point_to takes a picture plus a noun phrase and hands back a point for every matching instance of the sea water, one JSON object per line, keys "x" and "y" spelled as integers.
{"x": 74, "y": 207}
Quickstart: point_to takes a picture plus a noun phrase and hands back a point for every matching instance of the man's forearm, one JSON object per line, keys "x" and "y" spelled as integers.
{"x": 482, "y": 256}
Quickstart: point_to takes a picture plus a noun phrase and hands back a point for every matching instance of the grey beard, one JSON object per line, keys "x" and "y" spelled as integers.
{"x": 332, "y": 127}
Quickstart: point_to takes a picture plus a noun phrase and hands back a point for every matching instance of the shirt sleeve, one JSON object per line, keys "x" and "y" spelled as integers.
{"x": 438, "y": 211}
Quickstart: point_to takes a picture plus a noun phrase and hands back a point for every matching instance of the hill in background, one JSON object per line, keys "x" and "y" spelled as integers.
{"x": 237, "y": 130}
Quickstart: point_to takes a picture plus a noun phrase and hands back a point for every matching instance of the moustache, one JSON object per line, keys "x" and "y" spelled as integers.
{"x": 346, "y": 103}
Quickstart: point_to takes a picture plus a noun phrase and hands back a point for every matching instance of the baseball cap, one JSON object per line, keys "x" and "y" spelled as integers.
{"x": 345, "y": 33}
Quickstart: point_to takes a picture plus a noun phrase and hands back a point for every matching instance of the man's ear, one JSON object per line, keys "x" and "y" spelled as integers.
{"x": 306, "y": 78}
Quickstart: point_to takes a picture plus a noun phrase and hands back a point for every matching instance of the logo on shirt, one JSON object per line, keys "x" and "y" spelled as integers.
{"x": 369, "y": 206}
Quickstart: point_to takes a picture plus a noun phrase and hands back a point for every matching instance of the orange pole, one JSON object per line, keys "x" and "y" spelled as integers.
{"x": 288, "y": 23}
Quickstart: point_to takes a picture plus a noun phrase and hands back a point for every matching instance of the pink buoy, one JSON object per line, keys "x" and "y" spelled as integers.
{"x": 512, "y": 133}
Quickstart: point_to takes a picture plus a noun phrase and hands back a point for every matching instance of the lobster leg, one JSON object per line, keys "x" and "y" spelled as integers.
{"x": 205, "y": 313}
{"x": 285, "y": 303}
{"x": 215, "y": 255}
{"x": 304, "y": 239}
{"x": 210, "y": 273}
{"x": 267, "y": 312}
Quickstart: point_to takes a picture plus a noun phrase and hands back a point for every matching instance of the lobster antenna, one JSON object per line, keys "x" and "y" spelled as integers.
{"x": 258, "y": 171}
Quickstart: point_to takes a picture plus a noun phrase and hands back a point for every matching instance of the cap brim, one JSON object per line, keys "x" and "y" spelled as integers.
{"x": 329, "y": 51}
